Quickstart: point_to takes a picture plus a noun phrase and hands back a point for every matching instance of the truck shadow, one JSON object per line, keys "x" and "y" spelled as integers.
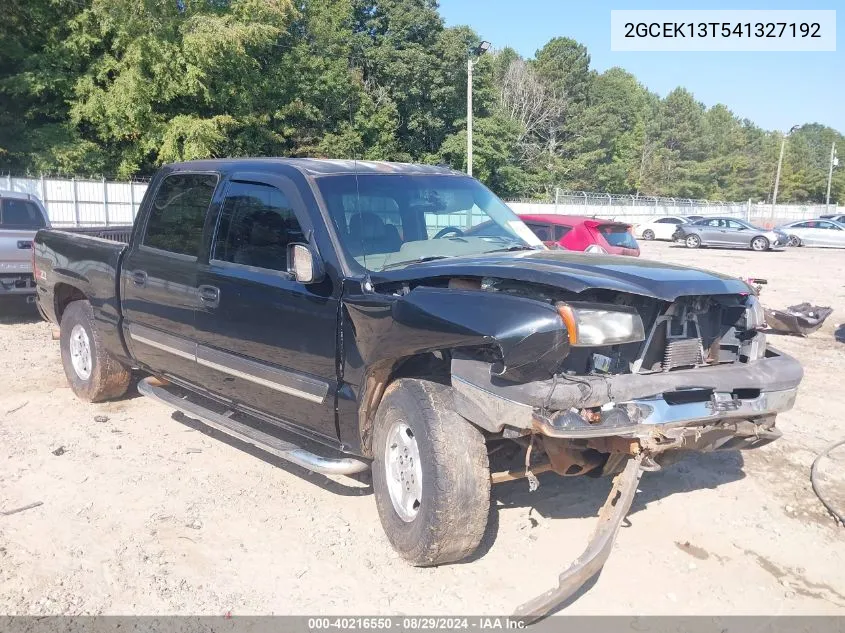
{"x": 14, "y": 311}
{"x": 582, "y": 497}
{"x": 363, "y": 487}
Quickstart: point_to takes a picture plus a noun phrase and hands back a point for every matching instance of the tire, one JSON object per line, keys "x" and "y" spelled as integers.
{"x": 648, "y": 235}
{"x": 451, "y": 514}
{"x": 759, "y": 243}
{"x": 94, "y": 376}
{"x": 793, "y": 240}
{"x": 692, "y": 241}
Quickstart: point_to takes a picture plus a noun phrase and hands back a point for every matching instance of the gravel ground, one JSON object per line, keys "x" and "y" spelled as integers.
{"x": 143, "y": 514}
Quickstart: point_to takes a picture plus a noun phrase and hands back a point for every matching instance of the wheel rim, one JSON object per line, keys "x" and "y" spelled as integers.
{"x": 792, "y": 241}
{"x": 692, "y": 241}
{"x": 80, "y": 352}
{"x": 648, "y": 235}
{"x": 404, "y": 471}
{"x": 758, "y": 244}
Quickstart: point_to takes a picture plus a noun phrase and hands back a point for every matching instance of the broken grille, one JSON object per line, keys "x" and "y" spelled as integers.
{"x": 683, "y": 352}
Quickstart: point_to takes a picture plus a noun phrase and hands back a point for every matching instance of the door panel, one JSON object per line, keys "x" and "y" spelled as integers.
{"x": 159, "y": 276}
{"x": 267, "y": 341}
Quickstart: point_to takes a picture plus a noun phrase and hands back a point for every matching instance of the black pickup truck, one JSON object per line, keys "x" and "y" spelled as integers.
{"x": 401, "y": 318}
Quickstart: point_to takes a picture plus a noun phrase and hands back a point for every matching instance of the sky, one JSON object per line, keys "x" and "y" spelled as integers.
{"x": 774, "y": 90}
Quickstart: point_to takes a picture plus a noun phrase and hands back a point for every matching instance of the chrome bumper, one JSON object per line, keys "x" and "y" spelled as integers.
{"x": 642, "y": 416}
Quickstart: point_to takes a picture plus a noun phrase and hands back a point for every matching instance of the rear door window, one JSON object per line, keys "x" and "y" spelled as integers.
{"x": 20, "y": 214}
{"x": 178, "y": 213}
{"x": 256, "y": 225}
{"x": 617, "y": 235}
{"x": 543, "y": 231}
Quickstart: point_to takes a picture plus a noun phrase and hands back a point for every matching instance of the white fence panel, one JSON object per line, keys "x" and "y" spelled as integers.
{"x": 72, "y": 202}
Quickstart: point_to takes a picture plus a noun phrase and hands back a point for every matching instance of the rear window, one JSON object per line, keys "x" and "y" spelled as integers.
{"x": 20, "y": 214}
{"x": 618, "y": 235}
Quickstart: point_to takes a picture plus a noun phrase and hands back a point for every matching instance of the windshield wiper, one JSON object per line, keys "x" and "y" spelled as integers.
{"x": 414, "y": 261}
{"x": 515, "y": 247}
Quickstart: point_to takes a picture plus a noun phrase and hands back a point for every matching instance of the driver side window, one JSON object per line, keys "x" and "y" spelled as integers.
{"x": 256, "y": 225}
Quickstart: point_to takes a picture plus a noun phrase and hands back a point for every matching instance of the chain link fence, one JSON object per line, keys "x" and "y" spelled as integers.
{"x": 639, "y": 208}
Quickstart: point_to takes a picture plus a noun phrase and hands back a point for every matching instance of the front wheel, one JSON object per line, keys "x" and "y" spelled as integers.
{"x": 92, "y": 373}
{"x": 692, "y": 241}
{"x": 793, "y": 240}
{"x": 648, "y": 234}
{"x": 760, "y": 243}
{"x": 431, "y": 476}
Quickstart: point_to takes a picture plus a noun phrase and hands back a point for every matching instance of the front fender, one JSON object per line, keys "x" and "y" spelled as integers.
{"x": 529, "y": 334}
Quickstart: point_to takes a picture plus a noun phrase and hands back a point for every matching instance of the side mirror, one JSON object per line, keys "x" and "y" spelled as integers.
{"x": 305, "y": 264}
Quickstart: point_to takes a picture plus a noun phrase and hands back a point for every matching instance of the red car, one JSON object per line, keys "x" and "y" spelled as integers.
{"x": 576, "y": 233}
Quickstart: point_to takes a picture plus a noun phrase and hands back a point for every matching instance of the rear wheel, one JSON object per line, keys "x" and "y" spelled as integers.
{"x": 692, "y": 241}
{"x": 760, "y": 243}
{"x": 431, "y": 476}
{"x": 92, "y": 373}
{"x": 648, "y": 234}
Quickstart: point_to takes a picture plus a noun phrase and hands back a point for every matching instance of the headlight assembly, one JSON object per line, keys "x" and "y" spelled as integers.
{"x": 591, "y": 325}
{"x": 755, "y": 316}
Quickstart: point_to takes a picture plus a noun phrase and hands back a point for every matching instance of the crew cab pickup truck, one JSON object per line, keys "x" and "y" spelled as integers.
{"x": 21, "y": 215}
{"x": 350, "y": 304}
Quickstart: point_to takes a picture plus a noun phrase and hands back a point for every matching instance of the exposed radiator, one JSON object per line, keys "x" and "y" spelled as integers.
{"x": 682, "y": 352}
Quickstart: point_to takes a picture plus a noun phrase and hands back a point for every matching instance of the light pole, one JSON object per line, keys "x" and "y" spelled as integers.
{"x": 479, "y": 51}
{"x": 833, "y": 162}
{"x": 780, "y": 163}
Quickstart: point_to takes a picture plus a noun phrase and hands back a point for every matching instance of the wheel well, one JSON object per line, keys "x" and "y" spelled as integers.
{"x": 63, "y": 296}
{"x": 435, "y": 365}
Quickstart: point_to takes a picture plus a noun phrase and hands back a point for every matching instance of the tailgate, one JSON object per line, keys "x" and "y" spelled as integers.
{"x": 16, "y": 251}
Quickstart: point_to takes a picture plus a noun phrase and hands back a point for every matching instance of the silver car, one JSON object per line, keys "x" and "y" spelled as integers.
{"x": 729, "y": 232}
{"x": 825, "y": 233}
{"x": 21, "y": 215}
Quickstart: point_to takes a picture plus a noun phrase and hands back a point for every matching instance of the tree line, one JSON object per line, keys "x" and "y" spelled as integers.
{"x": 118, "y": 87}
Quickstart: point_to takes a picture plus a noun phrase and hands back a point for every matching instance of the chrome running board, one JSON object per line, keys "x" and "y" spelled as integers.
{"x": 152, "y": 388}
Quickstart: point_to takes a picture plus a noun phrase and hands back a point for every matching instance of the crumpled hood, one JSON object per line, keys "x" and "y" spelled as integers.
{"x": 577, "y": 272}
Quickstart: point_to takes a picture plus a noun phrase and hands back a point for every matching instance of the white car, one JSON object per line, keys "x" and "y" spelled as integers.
{"x": 825, "y": 233}
{"x": 661, "y": 228}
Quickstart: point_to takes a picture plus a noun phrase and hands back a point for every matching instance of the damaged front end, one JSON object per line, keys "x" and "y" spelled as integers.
{"x": 580, "y": 369}
{"x": 700, "y": 378}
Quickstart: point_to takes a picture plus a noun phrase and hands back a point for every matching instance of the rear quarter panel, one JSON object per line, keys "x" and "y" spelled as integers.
{"x": 72, "y": 263}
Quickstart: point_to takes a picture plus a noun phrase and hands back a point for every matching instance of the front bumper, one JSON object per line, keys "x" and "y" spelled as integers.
{"x": 634, "y": 405}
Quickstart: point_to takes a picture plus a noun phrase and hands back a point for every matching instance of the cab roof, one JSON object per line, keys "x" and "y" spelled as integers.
{"x": 319, "y": 166}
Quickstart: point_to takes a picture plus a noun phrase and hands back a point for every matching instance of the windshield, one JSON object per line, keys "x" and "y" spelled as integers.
{"x": 388, "y": 221}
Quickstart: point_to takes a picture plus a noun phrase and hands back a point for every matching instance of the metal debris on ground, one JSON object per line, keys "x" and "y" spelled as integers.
{"x": 17, "y": 408}
{"x": 802, "y": 319}
{"x": 101, "y": 418}
{"x": 59, "y": 451}
{"x": 22, "y": 508}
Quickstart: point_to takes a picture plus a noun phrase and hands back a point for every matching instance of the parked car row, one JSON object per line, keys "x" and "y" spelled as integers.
{"x": 697, "y": 231}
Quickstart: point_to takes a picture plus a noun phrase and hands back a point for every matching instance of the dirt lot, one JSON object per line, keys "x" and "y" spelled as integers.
{"x": 142, "y": 514}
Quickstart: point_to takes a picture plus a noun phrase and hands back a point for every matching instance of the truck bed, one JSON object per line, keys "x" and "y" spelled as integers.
{"x": 67, "y": 261}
